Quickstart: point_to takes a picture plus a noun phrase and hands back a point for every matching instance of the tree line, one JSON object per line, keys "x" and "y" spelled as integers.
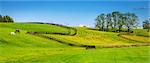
{"x": 115, "y": 21}
{"x": 6, "y": 19}
{"x": 146, "y": 24}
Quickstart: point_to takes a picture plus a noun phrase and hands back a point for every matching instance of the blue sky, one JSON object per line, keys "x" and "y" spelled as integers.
{"x": 70, "y": 13}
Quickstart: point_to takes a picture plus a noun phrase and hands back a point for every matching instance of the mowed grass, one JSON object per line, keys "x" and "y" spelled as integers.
{"x": 34, "y": 27}
{"x": 98, "y": 38}
{"x": 25, "y": 40}
{"x": 26, "y": 48}
{"x": 76, "y": 55}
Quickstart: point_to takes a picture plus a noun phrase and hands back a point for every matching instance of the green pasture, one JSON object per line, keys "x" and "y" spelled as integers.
{"x": 27, "y": 48}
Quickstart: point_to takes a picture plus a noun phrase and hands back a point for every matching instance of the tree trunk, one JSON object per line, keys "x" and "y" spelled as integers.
{"x": 119, "y": 28}
{"x": 114, "y": 26}
{"x": 107, "y": 28}
{"x": 102, "y": 28}
{"x": 128, "y": 29}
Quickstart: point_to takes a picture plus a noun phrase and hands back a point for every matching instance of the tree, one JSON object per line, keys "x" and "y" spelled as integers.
{"x": 121, "y": 21}
{"x": 115, "y": 16}
{"x": 116, "y": 20}
{"x": 146, "y": 24}
{"x": 98, "y": 22}
{"x": 131, "y": 20}
{"x": 7, "y": 19}
{"x": 102, "y": 17}
{"x": 108, "y": 20}
{"x": 1, "y": 18}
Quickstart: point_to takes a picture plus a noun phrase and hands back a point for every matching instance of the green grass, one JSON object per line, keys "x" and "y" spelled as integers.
{"x": 34, "y": 27}
{"x": 26, "y": 48}
{"x": 141, "y": 32}
{"x": 25, "y": 40}
{"x": 44, "y": 55}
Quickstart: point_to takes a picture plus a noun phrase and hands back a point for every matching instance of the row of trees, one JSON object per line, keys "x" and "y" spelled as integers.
{"x": 146, "y": 24}
{"x": 6, "y": 19}
{"x": 116, "y": 21}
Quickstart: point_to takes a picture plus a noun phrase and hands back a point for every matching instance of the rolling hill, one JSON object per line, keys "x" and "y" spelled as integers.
{"x": 34, "y": 48}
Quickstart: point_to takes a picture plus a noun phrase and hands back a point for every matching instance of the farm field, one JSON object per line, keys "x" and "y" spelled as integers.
{"x": 28, "y": 48}
{"x": 100, "y": 38}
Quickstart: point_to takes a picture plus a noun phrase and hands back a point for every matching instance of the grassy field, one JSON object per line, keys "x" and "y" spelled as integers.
{"x": 99, "y": 38}
{"x": 141, "y": 32}
{"x": 27, "y": 48}
{"x": 75, "y": 55}
{"x": 25, "y": 40}
{"x": 34, "y": 27}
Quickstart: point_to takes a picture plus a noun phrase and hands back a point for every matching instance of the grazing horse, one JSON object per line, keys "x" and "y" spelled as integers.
{"x": 17, "y": 31}
{"x": 91, "y": 47}
{"x": 12, "y": 33}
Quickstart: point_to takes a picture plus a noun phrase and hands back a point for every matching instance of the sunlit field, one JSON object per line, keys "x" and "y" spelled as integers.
{"x": 74, "y": 31}
{"x": 28, "y": 48}
{"x": 100, "y": 38}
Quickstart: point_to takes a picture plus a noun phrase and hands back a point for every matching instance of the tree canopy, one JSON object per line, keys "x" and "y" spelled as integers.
{"x": 116, "y": 20}
{"x": 146, "y": 24}
{"x": 6, "y": 19}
